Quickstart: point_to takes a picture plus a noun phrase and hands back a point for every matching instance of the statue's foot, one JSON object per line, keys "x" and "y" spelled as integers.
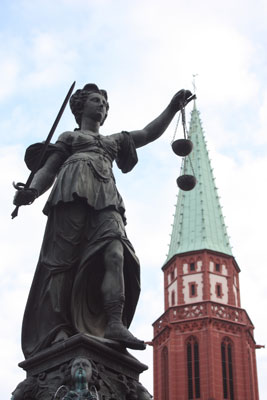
{"x": 118, "y": 332}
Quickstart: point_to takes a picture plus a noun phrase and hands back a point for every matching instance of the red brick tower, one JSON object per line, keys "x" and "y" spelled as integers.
{"x": 203, "y": 343}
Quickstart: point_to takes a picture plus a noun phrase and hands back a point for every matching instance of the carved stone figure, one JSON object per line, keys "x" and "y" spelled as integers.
{"x": 82, "y": 378}
{"x": 81, "y": 374}
{"x": 87, "y": 277}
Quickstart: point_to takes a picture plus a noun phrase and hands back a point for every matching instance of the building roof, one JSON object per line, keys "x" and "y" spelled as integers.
{"x": 198, "y": 220}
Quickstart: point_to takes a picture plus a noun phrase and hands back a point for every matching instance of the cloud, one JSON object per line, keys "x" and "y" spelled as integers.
{"x": 221, "y": 55}
{"x": 261, "y": 134}
{"x": 52, "y": 61}
{"x": 9, "y": 71}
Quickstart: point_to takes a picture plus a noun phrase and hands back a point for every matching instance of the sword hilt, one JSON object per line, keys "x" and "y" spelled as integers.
{"x": 22, "y": 186}
{"x": 19, "y": 185}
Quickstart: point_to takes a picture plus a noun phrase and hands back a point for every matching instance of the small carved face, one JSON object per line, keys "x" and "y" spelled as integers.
{"x": 81, "y": 364}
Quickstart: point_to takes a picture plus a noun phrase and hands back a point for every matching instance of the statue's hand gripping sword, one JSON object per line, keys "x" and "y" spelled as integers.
{"x": 22, "y": 186}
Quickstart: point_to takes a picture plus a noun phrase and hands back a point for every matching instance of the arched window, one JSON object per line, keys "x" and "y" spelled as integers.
{"x": 165, "y": 374}
{"x": 227, "y": 369}
{"x": 193, "y": 377}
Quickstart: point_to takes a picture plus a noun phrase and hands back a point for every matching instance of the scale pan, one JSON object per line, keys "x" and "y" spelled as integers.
{"x": 182, "y": 147}
{"x": 186, "y": 182}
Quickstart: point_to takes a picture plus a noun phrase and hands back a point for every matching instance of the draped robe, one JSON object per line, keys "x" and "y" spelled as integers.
{"x": 85, "y": 213}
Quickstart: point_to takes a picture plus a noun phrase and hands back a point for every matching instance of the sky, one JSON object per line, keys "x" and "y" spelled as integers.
{"x": 142, "y": 52}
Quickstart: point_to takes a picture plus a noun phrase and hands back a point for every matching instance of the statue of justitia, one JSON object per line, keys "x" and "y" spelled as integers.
{"x": 87, "y": 278}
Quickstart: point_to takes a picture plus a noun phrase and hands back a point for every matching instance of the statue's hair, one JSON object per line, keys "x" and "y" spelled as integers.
{"x": 78, "y": 100}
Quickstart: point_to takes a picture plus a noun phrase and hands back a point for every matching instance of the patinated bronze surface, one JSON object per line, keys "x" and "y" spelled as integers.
{"x": 88, "y": 277}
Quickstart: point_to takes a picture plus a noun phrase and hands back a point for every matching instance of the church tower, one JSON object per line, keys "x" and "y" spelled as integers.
{"x": 203, "y": 343}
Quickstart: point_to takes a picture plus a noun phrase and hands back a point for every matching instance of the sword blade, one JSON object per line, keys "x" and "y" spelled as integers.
{"x": 49, "y": 137}
{"x": 46, "y": 143}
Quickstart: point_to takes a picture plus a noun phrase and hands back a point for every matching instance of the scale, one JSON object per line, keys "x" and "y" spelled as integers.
{"x": 183, "y": 148}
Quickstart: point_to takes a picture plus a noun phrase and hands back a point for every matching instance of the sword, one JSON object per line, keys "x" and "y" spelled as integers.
{"x": 21, "y": 186}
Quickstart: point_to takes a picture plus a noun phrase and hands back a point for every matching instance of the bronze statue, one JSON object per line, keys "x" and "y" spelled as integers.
{"x": 87, "y": 278}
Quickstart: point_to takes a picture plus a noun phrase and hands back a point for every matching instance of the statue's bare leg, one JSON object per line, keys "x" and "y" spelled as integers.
{"x": 113, "y": 297}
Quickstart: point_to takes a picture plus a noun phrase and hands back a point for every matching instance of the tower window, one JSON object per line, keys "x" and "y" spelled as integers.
{"x": 217, "y": 268}
{"x": 192, "y": 289}
{"x": 192, "y": 267}
{"x": 193, "y": 376}
{"x": 227, "y": 369}
{"x": 218, "y": 289}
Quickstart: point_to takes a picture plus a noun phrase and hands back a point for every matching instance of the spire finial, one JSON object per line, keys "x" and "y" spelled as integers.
{"x": 194, "y": 83}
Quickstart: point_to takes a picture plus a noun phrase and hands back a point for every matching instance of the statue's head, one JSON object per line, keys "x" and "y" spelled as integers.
{"x": 79, "y": 98}
{"x": 81, "y": 367}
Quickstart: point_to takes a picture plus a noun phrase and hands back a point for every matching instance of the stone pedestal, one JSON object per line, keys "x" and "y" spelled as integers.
{"x": 114, "y": 372}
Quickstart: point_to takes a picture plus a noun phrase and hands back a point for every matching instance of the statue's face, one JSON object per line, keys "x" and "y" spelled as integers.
{"x": 95, "y": 107}
{"x": 81, "y": 364}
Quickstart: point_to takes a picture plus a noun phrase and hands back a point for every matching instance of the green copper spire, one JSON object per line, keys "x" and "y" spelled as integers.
{"x": 198, "y": 220}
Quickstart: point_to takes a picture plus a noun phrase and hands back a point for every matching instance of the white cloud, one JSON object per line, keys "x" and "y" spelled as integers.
{"x": 261, "y": 135}
{"x": 53, "y": 61}
{"x": 9, "y": 72}
{"x": 191, "y": 43}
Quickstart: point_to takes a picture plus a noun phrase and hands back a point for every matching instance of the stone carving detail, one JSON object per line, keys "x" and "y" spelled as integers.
{"x": 226, "y": 312}
{"x": 161, "y": 324}
{"x": 190, "y": 311}
{"x": 191, "y": 326}
{"x": 201, "y": 310}
{"x": 165, "y": 334}
{"x": 43, "y": 386}
{"x": 80, "y": 379}
{"x": 26, "y": 390}
{"x": 227, "y": 327}
{"x": 83, "y": 381}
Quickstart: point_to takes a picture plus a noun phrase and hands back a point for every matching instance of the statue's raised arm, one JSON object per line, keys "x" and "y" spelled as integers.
{"x": 158, "y": 126}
